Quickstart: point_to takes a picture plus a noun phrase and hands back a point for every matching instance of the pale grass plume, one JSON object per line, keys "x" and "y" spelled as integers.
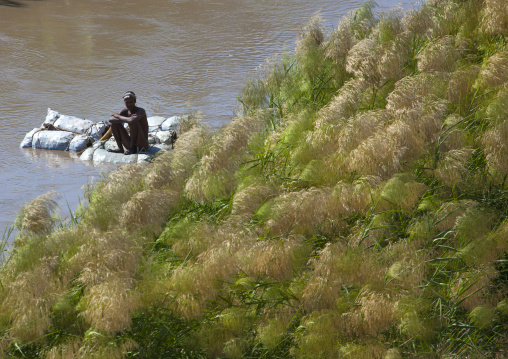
{"x": 246, "y": 201}
{"x": 485, "y": 250}
{"x": 451, "y": 169}
{"x": 312, "y": 35}
{"x": 369, "y": 350}
{"x": 189, "y": 149}
{"x": 340, "y": 41}
{"x": 360, "y": 127}
{"x": 494, "y": 72}
{"x": 461, "y": 83}
{"x": 495, "y": 17}
{"x": 495, "y": 141}
{"x": 407, "y": 269}
{"x": 411, "y": 91}
{"x": 471, "y": 288}
{"x": 389, "y": 26}
{"x": 445, "y": 218}
{"x": 276, "y": 259}
{"x": 69, "y": 350}
{"x": 110, "y": 304}
{"x": 214, "y": 176}
{"x": 271, "y": 330}
{"x": 418, "y": 22}
{"x": 472, "y": 227}
{"x": 444, "y": 18}
{"x": 299, "y": 212}
{"x": 375, "y": 314}
{"x": 148, "y": 210}
{"x": 344, "y": 105}
{"x": 401, "y": 192}
{"x": 36, "y": 216}
{"x": 321, "y": 336}
{"x": 452, "y": 136}
{"x": 160, "y": 174}
{"x": 189, "y": 239}
{"x": 395, "y": 53}
{"x": 497, "y": 111}
{"x": 104, "y": 255}
{"x": 440, "y": 55}
{"x": 30, "y": 299}
{"x": 362, "y": 61}
{"x": 338, "y": 267}
{"x": 153, "y": 284}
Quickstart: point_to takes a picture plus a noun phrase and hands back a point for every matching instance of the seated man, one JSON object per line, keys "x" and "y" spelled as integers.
{"x": 135, "y": 117}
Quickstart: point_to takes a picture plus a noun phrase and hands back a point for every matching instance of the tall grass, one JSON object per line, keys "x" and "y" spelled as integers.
{"x": 356, "y": 208}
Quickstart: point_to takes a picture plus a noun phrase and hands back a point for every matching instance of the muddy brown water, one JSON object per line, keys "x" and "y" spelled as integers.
{"x": 79, "y": 56}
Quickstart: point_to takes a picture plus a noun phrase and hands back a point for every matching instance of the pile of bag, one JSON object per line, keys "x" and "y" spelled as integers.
{"x": 64, "y": 133}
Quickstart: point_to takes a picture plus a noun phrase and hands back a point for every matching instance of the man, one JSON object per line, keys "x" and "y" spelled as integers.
{"x": 135, "y": 117}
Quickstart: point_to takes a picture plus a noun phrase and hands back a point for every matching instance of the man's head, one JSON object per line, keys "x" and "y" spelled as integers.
{"x": 129, "y": 98}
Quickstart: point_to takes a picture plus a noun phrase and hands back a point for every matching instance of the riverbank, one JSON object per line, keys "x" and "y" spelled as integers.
{"x": 357, "y": 208}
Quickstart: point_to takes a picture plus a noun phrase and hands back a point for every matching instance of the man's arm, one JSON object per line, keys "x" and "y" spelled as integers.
{"x": 135, "y": 117}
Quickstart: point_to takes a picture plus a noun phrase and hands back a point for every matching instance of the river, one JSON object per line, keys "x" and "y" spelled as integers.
{"x": 79, "y": 56}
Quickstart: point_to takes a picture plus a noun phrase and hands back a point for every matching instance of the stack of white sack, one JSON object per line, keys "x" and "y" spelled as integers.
{"x": 64, "y": 133}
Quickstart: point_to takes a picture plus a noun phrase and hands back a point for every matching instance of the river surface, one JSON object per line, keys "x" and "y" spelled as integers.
{"x": 79, "y": 56}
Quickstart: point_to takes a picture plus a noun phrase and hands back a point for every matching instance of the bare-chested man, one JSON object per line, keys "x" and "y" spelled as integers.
{"x": 135, "y": 117}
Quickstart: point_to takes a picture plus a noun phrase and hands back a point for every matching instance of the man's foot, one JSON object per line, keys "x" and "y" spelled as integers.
{"x": 130, "y": 152}
{"x": 115, "y": 151}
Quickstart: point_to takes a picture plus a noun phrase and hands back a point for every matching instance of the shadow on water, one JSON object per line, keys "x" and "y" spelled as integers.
{"x": 13, "y": 3}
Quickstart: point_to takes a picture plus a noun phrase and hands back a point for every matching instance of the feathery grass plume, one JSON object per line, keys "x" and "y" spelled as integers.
{"x": 445, "y": 18}
{"x": 362, "y": 61}
{"x": 335, "y": 268}
{"x": 408, "y": 269}
{"x": 276, "y": 259}
{"x": 189, "y": 122}
{"x": 320, "y": 336}
{"x": 102, "y": 256}
{"x": 460, "y": 86}
{"x": 189, "y": 238}
{"x": 110, "y": 194}
{"x": 108, "y": 306}
{"x": 246, "y": 201}
{"x": 161, "y": 174}
{"x": 482, "y": 316}
{"x": 363, "y": 20}
{"x": 401, "y": 192}
{"x": 36, "y": 216}
{"x": 495, "y": 17}
{"x": 148, "y": 210}
{"x": 412, "y": 90}
{"x": 375, "y": 314}
{"x": 495, "y": 141}
{"x": 214, "y": 176}
{"x": 497, "y": 111}
{"x": 298, "y": 212}
{"x": 451, "y": 169}
{"x": 389, "y": 25}
{"x": 189, "y": 149}
{"x": 470, "y": 289}
{"x": 494, "y": 72}
{"x": 412, "y": 313}
{"x": 395, "y": 55}
{"x": 360, "y": 127}
{"x": 192, "y": 286}
{"x": 271, "y": 331}
{"x": 372, "y": 350}
{"x": 439, "y": 55}
{"x": 339, "y": 43}
{"x": 473, "y": 229}
{"x": 312, "y": 35}
{"x": 68, "y": 350}
{"x": 445, "y": 218}
{"x": 418, "y": 22}
{"x": 30, "y": 297}
{"x": 344, "y": 105}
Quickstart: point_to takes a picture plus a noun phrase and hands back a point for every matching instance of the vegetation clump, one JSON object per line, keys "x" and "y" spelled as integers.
{"x": 357, "y": 207}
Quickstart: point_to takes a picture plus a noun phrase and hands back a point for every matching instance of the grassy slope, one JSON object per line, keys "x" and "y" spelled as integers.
{"x": 357, "y": 209}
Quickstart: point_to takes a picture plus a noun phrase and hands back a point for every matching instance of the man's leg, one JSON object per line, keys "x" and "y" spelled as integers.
{"x": 121, "y": 136}
{"x": 138, "y": 138}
